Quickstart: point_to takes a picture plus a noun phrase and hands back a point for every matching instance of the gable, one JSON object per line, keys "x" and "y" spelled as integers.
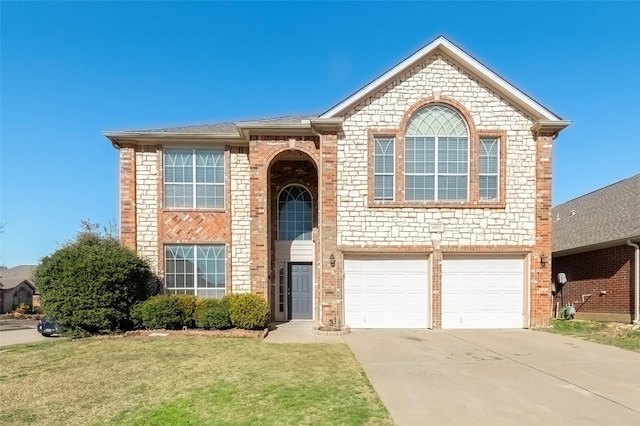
{"x": 465, "y": 61}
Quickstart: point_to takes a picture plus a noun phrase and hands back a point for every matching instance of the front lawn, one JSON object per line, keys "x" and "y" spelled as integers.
{"x": 614, "y": 334}
{"x": 185, "y": 380}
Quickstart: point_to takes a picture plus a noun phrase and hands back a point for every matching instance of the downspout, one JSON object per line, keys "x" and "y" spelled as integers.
{"x": 636, "y": 319}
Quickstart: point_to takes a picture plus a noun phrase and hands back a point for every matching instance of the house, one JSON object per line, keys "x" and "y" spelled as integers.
{"x": 595, "y": 246}
{"x": 420, "y": 201}
{"x": 17, "y": 286}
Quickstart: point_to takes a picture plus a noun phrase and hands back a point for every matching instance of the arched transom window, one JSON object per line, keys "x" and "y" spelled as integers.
{"x": 436, "y": 155}
{"x": 295, "y": 214}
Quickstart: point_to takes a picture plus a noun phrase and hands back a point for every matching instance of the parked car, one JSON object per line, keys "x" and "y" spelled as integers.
{"x": 47, "y": 327}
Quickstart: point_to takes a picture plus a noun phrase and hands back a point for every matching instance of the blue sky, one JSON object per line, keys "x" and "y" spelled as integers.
{"x": 70, "y": 70}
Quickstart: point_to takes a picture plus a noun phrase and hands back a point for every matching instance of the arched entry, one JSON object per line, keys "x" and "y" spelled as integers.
{"x": 293, "y": 184}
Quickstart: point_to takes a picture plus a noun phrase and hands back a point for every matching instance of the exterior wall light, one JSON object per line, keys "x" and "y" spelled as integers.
{"x": 332, "y": 260}
{"x": 543, "y": 259}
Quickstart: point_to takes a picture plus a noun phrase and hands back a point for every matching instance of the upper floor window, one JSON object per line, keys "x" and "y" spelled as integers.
{"x": 489, "y": 168}
{"x": 436, "y": 156}
{"x": 384, "y": 166}
{"x": 194, "y": 178}
{"x": 295, "y": 214}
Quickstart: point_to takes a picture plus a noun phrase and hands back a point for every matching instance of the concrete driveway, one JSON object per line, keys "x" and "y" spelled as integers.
{"x": 501, "y": 377}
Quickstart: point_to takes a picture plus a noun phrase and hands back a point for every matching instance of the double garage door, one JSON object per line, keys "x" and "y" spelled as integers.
{"x": 393, "y": 292}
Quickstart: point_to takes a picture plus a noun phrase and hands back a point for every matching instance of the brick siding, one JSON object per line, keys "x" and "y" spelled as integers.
{"x": 609, "y": 270}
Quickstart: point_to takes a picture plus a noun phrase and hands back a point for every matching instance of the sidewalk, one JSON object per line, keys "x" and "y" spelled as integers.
{"x": 298, "y": 332}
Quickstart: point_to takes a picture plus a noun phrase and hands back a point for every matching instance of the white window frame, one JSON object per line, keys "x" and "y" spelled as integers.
{"x": 310, "y": 232}
{"x": 198, "y": 291}
{"x": 481, "y": 155}
{"x": 376, "y": 173}
{"x": 194, "y": 184}
{"x": 436, "y": 171}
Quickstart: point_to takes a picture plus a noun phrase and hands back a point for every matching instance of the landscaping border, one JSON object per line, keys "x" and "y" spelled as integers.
{"x": 232, "y": 332}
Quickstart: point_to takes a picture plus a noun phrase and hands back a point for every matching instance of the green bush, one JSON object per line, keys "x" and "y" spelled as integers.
{"x": 213, "y": 314}
{"x": 161, "y": 311}
{"x": 187, "y": 304}
{"x": 90, "y": 284}
{"x": 249, "y": 311}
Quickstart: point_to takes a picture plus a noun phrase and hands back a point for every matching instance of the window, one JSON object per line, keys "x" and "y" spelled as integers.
{"x": 436, "y": 156}
{"x": 194, "y": 178}
{"x": 295, "y": 214}
{"x": 22, "y": 296}
{"x": 199, "y": 270}
{"x": 384, "y": 164}
{"x": 489, "y": 168}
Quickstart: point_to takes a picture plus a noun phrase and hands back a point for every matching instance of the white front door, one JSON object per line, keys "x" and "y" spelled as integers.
{"x": 483, "y": 292}
{"x": 386, "y": 292}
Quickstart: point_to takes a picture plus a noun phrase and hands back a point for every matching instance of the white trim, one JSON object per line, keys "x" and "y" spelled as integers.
{"x": 464, "y": 59}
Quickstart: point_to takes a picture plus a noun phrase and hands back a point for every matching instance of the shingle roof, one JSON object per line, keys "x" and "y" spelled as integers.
{"x": 229, "y": 127}
{"x": 607, "y": 215}
{"x": 12, "y": 277}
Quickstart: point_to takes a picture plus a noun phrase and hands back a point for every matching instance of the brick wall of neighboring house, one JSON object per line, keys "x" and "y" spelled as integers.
{"x": 606, "y": 270}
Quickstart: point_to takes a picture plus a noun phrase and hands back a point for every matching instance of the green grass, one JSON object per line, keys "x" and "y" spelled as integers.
{"x": 185, "y": 380}
{"x": 606, "y": 333}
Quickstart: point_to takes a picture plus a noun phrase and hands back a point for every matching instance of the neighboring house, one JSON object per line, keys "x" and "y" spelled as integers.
{"x": 595, "y": 244}
{"x": 420, "y": 201}
{"x": 17, "y": 286}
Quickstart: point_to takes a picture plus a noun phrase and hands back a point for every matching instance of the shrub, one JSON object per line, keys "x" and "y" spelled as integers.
{"x": 187, "y": 304}
{"x": 213, "y": 314}
{"x": 249, "y": 311}
{"x": 161, "y": 311}
{"x": 23, "y": 309}
{"x": 90, "y": 284}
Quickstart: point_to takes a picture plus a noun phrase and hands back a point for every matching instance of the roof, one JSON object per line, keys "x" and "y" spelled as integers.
{"x": 241, "y": 130}
{"x": 13, "y": 277}
{"x": 602, "y": 218}
{"x": 229, "y": 127}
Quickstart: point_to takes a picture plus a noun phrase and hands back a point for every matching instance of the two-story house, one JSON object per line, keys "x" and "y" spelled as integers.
{"x": 420, "y": 201}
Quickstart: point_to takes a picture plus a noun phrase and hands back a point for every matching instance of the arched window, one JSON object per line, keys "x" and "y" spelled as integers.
{"x": 22, "y": 296}
{"x": 436, "y": 155}
{"x": 295, "y": 214}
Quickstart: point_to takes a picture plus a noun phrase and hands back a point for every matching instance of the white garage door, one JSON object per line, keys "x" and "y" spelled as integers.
{"x": 386, "y": 292}
{"x": 482, "y": 292}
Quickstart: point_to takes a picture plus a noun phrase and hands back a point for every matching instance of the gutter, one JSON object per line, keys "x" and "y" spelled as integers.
{"x": 636, "y": 308}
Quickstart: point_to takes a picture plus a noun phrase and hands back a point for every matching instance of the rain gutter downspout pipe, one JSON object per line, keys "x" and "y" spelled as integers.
{"x": 636, "y": 292}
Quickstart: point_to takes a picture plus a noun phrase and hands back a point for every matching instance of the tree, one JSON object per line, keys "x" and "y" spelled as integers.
{"x": 90, "y": 284}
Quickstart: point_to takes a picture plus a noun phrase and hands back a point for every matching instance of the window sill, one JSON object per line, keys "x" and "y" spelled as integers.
{"x": 437, "y": 204}
{"x": 184, "y": 210}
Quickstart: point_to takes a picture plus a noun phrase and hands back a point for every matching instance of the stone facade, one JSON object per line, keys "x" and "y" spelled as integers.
{"x": 361, "y": 225}
{"x": 240, "y": 200}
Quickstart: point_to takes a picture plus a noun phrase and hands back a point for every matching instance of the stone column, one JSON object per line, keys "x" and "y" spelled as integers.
{"x": 436, "y": 282}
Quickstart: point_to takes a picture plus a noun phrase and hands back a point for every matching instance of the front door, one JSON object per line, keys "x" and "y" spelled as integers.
{"x": 300, "y": 291}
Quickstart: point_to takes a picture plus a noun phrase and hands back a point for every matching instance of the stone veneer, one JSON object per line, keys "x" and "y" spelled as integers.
{"x": 360, "y": 225}
{"x": 147, "y": 198}
{"x": 240, "y": 194}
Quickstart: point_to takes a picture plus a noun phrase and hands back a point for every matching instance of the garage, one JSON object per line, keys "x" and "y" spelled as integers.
{"x": 482, "y": 292}
{"x": 386, "y": 292}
